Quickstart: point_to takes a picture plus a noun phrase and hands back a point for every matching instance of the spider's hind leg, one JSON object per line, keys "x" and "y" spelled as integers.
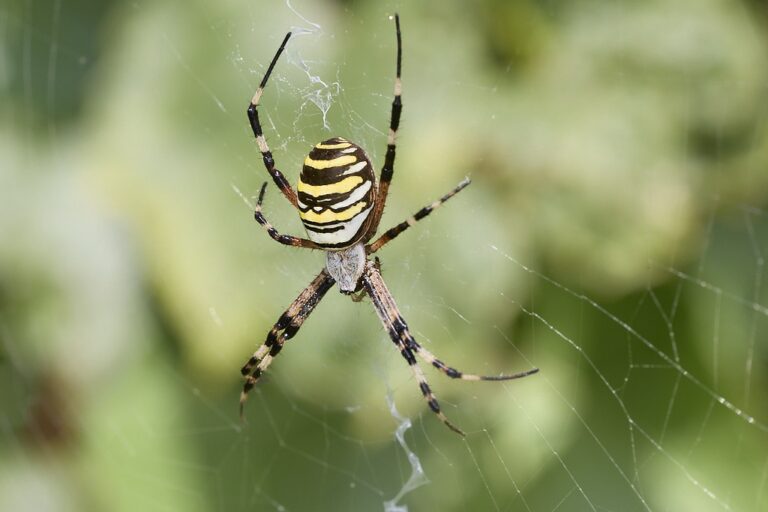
{"x": 394, "y": 124}
{"x": 253, "y": 118}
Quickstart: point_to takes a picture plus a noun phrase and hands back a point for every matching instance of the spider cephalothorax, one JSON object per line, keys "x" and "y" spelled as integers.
{"x": 340, "y": 205}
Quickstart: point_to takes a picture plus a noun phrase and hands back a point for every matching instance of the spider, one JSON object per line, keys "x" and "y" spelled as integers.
{"x": 340, "y": 205}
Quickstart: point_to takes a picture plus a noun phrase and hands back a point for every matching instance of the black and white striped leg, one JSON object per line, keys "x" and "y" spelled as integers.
{"x": 393, "y": 232}
{"x": 284, "y": 329}
{"x": 431, "y": 399}
{"x": 453, "y": 373}
{"x": 394, "y": 123}
{"x": 283, "y": 239}
{"x": 390, "y": 317}
{"x": 253, "y": 117}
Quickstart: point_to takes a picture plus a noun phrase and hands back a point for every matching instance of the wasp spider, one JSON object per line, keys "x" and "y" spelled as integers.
{"x": 340, "y": 205}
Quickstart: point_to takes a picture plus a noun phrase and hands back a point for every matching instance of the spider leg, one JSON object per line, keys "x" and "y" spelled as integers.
{"x": 393, "y": 232}
{"x": 390, "y": 317}
{"x": 253, "y": 117}
{"x": 284, "y": 329}
{"x": 283, "y": 239}
{"x": 394, "y": 123}
{"x": 453, "y": 373}
{"x": 429, "y": 396}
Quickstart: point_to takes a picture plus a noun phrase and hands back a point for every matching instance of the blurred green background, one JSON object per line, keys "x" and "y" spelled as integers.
{"x": 614, "y": 236}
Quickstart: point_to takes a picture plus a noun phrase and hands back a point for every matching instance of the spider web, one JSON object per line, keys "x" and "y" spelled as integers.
{"x": 133, "y": 284}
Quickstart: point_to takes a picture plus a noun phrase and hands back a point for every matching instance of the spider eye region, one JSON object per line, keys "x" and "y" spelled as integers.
{"x": 336, "y": 192}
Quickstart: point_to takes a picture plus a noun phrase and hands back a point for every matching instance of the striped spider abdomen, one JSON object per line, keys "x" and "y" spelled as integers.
{"x": 336, "y": 193}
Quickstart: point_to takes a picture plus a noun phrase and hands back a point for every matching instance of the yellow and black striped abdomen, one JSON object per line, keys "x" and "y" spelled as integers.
{"x": 337, "y": 188}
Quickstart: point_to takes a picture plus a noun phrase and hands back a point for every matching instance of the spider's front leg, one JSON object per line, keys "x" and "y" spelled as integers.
{"x": 390, "y": 317}
{"x": 283, "y": 330}
{"x": 359, "y": 295}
